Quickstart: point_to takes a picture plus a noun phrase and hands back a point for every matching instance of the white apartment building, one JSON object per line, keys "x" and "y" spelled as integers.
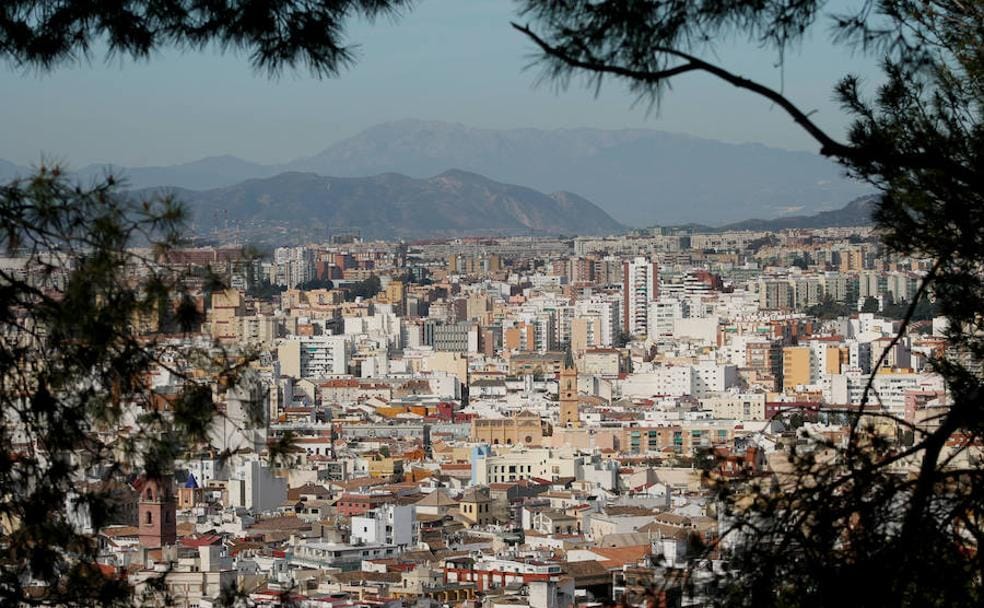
{"x": 710, "y": 377}
{"x": 522, "y": 463}
{"x": 253, "y": 486}
{"x": 313, "y": 356}
{"x": 679, "y": 380}
{"x": 890, "y": 388}
{"x": 387, "y": 525}
{"x": 640, "y": 287}
{"x": 191, "y": 580}
{"x": 664, "y": 380}
{"x": 318, "y": 554}
{"x": 607, "y": 312}
{"x": 735, "y": 406}
{"x": 662, "y": 316}
{"x": 292, "y": 265}
{"x": 258, "y": 329}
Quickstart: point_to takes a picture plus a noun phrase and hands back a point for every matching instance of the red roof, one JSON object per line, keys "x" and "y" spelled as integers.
{"x": 201, "y": 541}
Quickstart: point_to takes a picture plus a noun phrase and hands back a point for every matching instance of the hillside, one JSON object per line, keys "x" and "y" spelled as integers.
{"x": 454, "y": 203}
{"x": 856, "y": 213}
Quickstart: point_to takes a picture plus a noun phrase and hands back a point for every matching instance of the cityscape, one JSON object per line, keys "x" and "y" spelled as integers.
{"x": 485, "y": 304}
{"x": 519, "y": 421}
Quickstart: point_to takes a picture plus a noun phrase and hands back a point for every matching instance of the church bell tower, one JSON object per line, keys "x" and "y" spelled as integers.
{"x": 570, "y": 414}
{"x": 157, "y": 508}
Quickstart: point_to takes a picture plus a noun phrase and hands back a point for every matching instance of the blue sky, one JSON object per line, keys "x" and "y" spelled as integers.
{"x": 455, "y": 60}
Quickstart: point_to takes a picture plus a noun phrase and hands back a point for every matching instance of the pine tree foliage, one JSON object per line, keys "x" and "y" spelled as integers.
{"x": 88, "y": 316}
{"x": 276, "y": 34}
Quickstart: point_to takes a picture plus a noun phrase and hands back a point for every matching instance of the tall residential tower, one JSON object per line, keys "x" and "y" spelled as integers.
{"x": 640, "y": 287}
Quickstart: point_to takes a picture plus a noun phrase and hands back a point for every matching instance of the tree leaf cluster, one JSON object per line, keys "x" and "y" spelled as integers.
{"x": 276, "y": 35}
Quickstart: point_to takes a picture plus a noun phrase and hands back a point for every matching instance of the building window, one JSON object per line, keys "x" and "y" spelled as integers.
{"x": 148, "y": 518}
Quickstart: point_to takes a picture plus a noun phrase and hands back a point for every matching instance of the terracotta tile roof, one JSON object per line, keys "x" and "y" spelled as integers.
{"x": 361, "y": 482}
{"x": 673, "y": 519}
{"x": 186, "y": 529}
{"x": 585, "y": 570}
{"x": 307, "y": 489}
{"x": 201, "y": 541}
{"x": 437, "y": 498}
{"x": 620, "y": 556}
{"x": 631, "y": 511}
{"x": 239, "y": 546}
{"x": 120, "y": 531}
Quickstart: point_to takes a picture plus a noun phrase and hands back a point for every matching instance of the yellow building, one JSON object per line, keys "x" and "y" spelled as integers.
{"x": 312, "y": 302}
{"x": 384, "y": 467}
{"x": 395, "y": 292}
{"x": 454, "y": 364}
{"x": 795, "y": 367}
{"x": 226, "y": 306}
{"x": 537, "y": 364}
{"x": 444, "y": 452}
{"x": 837, "y": 359}
{"x": 477, "y": 307}
{"x": 585, "y": 333}
{"x": 520, "y": 337}
{"x": 525, "y": 427}
{"x": 852, "y": 259}
{"x": 147, "y": 321}
{"x": 475, "y": 506}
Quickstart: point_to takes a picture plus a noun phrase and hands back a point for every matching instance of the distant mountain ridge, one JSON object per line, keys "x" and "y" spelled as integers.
{"x": 639, "y": 176}
{"x": 858, "y": 212}
{"x": 391, "y": 206}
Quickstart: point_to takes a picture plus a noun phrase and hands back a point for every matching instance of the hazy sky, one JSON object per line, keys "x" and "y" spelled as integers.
{"x": 455, "y": 60}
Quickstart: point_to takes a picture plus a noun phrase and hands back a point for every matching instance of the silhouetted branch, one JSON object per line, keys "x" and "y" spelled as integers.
{"x": 828, "y": 145}
{"x": 869, "y": 386}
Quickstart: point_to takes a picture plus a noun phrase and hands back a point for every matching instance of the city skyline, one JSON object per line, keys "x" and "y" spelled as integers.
{"x": 404, "y": 304}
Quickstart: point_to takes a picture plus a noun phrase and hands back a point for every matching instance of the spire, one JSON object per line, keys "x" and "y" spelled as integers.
{"x": 568, "y": 357}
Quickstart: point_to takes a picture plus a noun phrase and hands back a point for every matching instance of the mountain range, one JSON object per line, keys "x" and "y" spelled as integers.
{"x": 296, "y": 206}
{"x": 638, "y": 176}
{"x": 858, "y": 212}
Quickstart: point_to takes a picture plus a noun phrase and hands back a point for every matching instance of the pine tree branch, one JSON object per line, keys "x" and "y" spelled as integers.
{"x": 829, "y": 146}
